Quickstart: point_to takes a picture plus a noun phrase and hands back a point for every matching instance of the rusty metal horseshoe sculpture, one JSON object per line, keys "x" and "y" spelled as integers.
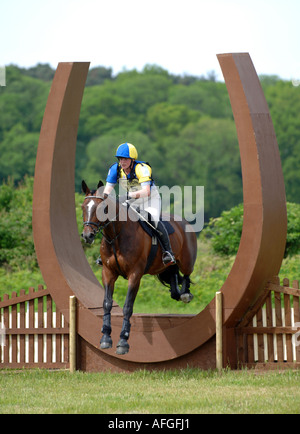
{"x": 65, "y": 268}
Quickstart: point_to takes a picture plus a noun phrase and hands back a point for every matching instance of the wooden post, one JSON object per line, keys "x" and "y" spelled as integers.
{"x": 219, "y": 326}
{"x": 72, "y": 333}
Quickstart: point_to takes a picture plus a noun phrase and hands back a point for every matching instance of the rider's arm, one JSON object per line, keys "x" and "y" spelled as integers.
{"x": 144, "y": 192}
{"x": 111, "y": 179}
{"x": 108, "y": 188}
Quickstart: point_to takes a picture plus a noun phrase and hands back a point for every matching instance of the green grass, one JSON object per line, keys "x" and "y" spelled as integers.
{"x": 189, "y": 391}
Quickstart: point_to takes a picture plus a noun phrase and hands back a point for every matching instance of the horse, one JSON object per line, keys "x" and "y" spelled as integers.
{"x": 125, "y": 249}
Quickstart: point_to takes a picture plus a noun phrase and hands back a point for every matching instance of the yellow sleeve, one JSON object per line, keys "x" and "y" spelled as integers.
{"x": 143, "y": 172}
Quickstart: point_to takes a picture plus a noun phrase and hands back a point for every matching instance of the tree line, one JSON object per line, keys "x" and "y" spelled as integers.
{"x": 182, "y": 125}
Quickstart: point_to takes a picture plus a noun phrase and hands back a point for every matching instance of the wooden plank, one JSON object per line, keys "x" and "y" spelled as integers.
{"x": 6, "y": 324}
{"x": 30, "y": 365}
{"x": 36, "y": 331}
{"x": 241, "y": 346}
{"x": 296, "y": 319}
{"x": 272, "y": 330}
{"x": 278, "y": 316}
{"x": 40, "y": 327}
{"x": 284, "y": 290}
{"x": 58, "y": 344}
{"x": 49, "y": 325}
{"x": 269, "y": 366}
{"x": 250, "y": 348}
{"x": 260, "y": 337}
{"x": 26, "y": 297}
{"x": 22, "y": 326}
{"x": 288, "y": 323}
{"x": 66, "y": 348}
{"x": 31, "y": 325}
{"x": 269, "y": 320}
{"x": 14, "y": 311}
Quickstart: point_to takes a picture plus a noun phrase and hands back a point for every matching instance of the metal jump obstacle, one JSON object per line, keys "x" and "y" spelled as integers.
{"x": 158, "y": 341}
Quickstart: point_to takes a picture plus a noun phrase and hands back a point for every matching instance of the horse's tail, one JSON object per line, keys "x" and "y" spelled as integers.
{"x": 166, "y": 275}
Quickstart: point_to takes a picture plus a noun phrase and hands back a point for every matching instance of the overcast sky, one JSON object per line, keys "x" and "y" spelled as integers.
{"x": 180, "y": 36}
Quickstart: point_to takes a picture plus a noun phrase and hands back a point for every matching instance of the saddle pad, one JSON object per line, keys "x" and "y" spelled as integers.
{"x": 149, "y": 231}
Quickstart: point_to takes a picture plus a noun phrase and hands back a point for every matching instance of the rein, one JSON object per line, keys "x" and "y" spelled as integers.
{"x": 101, "y": 227}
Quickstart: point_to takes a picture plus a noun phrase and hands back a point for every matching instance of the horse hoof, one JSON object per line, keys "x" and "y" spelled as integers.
{"x": 105, "y": 345}
{"x": 187, "y": 297}
{"x": 122, "y": 347}
{"x": 106, "y": 342}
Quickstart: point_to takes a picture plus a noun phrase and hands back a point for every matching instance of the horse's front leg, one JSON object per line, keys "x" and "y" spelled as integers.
{"x": 108, "y": 280}
{"x": 133, "y": 287}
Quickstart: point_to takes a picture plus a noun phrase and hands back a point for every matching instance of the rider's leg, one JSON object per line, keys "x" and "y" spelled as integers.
{"x": 168, "y": 255}
{"x": 154, "y": 208}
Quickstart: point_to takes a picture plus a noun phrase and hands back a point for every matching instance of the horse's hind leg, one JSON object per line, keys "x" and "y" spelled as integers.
{"x": 185, "y": 294}
{"x": 174, "y": 289}
{"x": 133, "y": 287}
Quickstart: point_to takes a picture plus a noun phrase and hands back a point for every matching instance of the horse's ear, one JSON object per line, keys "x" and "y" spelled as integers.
{"x": 100, "y": 188}
{"x": 85, "y": 188}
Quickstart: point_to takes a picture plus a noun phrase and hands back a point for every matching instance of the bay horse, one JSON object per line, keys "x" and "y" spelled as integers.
{"x": 125, "y": 249}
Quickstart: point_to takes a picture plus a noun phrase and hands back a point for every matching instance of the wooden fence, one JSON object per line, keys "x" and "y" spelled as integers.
{"x": 33, "y": 332}
{"x": 269, "y": 335}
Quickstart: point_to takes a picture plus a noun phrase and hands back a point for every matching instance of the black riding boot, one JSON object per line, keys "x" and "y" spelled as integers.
{"x": 168, "y": 255}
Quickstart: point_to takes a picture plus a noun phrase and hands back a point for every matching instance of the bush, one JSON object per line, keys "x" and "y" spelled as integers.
{"x": 293, "y": 231}
{"x": 225, "y": 231}
{"x": 16, "y": 242}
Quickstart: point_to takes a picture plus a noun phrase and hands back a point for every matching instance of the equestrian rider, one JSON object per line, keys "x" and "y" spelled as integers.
{"x": 136, "y": 177}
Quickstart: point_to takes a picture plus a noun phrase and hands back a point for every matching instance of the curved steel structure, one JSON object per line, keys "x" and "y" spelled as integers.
{"x": 62, "y": 260}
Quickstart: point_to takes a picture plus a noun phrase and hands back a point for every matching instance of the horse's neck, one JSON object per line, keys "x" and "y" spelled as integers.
{"x": 120, "y": 225}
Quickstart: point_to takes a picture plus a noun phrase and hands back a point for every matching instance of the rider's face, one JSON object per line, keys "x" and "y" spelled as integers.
{"x": 125, "y": 163}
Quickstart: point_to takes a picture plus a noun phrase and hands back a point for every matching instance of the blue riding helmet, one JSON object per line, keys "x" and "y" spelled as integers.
{"x": 127, "y": 150}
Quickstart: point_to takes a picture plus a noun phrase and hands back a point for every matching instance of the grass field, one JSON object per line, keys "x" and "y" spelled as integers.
{"x": 189, "y": 391}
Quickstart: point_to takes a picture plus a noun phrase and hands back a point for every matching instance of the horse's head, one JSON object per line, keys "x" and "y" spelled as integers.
{"x": 92, "y": 200}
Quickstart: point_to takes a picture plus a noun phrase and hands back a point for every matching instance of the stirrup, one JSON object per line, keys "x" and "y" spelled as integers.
{"x": 168, "y": 258}
{"x": 99, "y": 261}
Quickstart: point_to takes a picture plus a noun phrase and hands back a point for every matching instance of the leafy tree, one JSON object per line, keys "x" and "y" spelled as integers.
{"x": 205, "y": 154}
{"x": 183, "y": 125}
{"x": 42, "y": 71}
{"x": 98, "y": 75}
{"x": 18, "y": 153}
{"x": 208, "y": 98}
{"x": 166, "y": 119}
{"x": 284, "y": 103}
{"x": 16, "y": 243}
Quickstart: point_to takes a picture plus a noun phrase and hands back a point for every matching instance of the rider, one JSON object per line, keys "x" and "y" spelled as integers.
{"x": 136, "y": 177}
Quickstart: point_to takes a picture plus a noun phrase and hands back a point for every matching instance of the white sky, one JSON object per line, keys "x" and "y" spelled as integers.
{"x": 181, "y": 36}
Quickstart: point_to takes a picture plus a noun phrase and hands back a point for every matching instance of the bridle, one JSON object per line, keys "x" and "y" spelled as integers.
{"x": 93, "y": 225}
{"x": 96, "y": 227}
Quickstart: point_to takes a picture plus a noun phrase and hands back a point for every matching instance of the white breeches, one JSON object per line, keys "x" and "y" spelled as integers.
{"x": 151, "y": 204}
